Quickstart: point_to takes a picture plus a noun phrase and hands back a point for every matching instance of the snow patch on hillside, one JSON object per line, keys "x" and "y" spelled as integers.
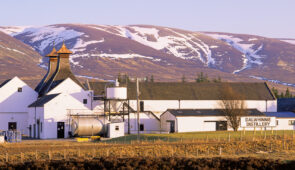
{"x": 81, "y": 45}
{"x": 250, "y": 55}
{"x": 252, "y": 39}
{"x": 112, "y": 56}
{"x": 291, "y": 41}
{"x": 12, "y": 30}
{"x": 182, "y": 45}
{"x": 120, "y": 56}
{"x": 273, "y": 81}
{"x": 45, "y": 36}
{"x": 12, "y": 49}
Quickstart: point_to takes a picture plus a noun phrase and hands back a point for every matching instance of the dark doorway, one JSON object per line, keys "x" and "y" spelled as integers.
{"x": 141, "y": 127}
{"x": 30, "y": 130}
{"x": 34, "y": 126}
{"x": 141, "y": 106}
{"x": 221, "y": 126}
{"x": 38, "y": 128}
{"x": 172, "y": 126}
{"x": 12, "y": 126}
{"x": 60, "y": 129}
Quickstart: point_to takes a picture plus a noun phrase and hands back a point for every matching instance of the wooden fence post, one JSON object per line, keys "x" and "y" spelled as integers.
{"x": 65, "y": 156}
{"x": 49, "y": 155}
{"x": 220, "y": 150}
{"x": 36, "y": 155}
{"x": 22, "y": 157}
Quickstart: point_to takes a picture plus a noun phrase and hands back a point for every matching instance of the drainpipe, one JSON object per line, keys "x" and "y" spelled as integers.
{"x": 178, "y": 103}
{"x": 265, "y": 105}
{"x": 35, "y": 131}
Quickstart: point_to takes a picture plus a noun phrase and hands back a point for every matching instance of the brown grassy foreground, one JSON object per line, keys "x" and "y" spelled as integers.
{"x": 271, "y": 151}
{"x": 155, "y": 163}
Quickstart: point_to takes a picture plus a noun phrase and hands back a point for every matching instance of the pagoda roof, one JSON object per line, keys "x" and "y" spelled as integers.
{"x": 53, "y": 53}
{"x": 64, "y": 50}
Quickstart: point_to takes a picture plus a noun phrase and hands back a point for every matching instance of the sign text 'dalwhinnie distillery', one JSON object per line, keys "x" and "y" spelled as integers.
{"x": 258, "y": 121}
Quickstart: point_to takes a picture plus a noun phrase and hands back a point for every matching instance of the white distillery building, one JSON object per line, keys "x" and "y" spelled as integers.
{"x": 60, "y": 98}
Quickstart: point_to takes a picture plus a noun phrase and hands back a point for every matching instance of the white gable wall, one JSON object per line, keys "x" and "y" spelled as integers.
{"x": 13, "y": 101}
{"x": 68, "y": 86}
{"x": 165, "y": 124}
{"x": 14, "y": 104}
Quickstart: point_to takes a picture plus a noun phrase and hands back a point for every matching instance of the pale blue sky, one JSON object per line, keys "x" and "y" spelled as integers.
{"x": 272, "y": 18}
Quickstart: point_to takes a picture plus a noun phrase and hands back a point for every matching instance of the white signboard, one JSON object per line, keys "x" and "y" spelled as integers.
{"x": 258, "y": 121}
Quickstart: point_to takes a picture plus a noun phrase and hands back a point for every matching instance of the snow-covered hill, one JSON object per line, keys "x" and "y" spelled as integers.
{"x": 169, "y": 53}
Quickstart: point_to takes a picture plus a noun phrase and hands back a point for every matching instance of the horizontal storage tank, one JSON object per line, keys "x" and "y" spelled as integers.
{"x": 116, "y": 93}
{"x": 87, "y": 126}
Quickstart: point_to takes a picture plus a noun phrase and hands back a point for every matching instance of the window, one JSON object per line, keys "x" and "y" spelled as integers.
{"x": 84, "y": 101}
{"x": 12, "y": 126}
{"x": 291, "y": 122}
{"x": 141, "y": 127}
{"x": 277, "y": 122}
{"x": 41, "y": 127}
{"x": 117, "y": 128}
{"x": 141, "y": 106}
{"x": 19, "y": 89}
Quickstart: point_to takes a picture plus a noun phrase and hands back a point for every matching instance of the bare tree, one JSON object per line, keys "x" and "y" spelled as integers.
{"x": 232, "y": 106}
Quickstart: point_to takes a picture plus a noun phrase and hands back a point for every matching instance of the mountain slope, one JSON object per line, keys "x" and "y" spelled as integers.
{"x": 18, "y": 59}
{"x": 102, "y": 51}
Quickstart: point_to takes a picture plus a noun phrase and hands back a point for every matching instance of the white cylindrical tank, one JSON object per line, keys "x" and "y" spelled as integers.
{"x": 87, "y": 126}
{"x": 116, "y": 93}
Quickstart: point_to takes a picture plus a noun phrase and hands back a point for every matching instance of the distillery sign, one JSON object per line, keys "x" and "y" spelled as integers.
{"x": 258, "y": 121}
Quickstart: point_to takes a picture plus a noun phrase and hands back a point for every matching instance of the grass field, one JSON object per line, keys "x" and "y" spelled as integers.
{"x": 265, "y": 144}
{"x": 208, "y": 136}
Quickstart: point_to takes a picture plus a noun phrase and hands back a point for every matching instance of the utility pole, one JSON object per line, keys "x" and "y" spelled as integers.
{"x": 137, "y": 97}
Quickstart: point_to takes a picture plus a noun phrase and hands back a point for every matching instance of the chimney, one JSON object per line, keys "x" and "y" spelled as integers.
{"x": 52, "y": 64}
{"x": 62, "y": 71}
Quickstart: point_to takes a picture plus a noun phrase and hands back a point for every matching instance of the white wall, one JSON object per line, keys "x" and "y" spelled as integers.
{"x": 36, "y": 113}
{"x": 13, "y": 101}
{"x": 14, "y": 104}
{"x": 21, "y": 119}
{"x": 193, "y": 123}
{"x": 151, "y": 123}
{"x": 68, "y": 86}
{"x": 165, "y": 125}
{"x": 159, "y": 106}
{"x": 56, "y": 110}
{"x": 156, "y": 106}
{"x": 283, "y": 124}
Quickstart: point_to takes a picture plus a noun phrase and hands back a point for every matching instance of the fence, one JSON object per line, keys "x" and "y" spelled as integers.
{"x": 154, "y": 148}
{"x": 11, "y": 136}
